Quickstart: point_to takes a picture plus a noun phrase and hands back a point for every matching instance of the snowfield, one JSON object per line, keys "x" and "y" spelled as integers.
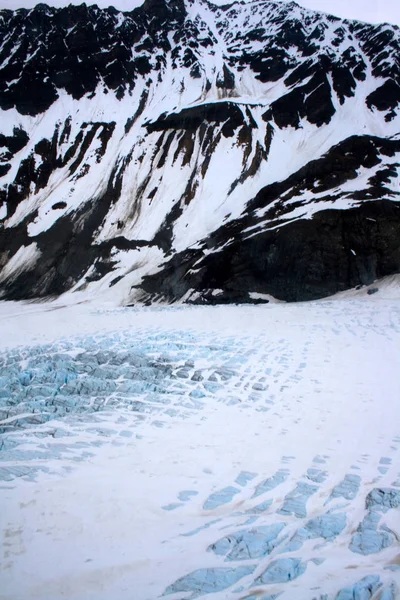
{"x": 231, "y": 452}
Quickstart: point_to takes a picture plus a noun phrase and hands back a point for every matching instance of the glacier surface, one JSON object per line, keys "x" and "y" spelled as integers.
{"x": 186, "y": 452}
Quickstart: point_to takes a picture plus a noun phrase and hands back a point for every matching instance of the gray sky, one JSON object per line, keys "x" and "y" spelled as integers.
{"x": 374, "y": 11}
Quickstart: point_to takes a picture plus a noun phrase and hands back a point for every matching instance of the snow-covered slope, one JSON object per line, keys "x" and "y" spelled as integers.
{"x": 185, "y": 151}
{"x": 219, "y": 453}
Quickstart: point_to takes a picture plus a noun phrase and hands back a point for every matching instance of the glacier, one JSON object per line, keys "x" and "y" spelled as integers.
{"x": 186, "y": 452}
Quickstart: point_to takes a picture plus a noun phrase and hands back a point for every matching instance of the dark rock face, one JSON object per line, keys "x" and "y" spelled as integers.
{"x": 385, "y": 98}
{"x": 81, "y": 46}
{"x": 311, "y": 101}
{"x": 305, "y": 260}
{"x": 211, "y": 154}
{"x": 191, "y": 119}
{"x": 339, "y": 165}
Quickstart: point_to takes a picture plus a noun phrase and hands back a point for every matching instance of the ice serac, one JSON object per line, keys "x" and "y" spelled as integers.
{"x": 190, "y": 152}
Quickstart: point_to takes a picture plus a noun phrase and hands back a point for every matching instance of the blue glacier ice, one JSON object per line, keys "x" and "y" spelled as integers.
{"x": 73, "y": 381}
{"x": 248, "y": 543}
{"x": 327, "y": 526}
{"x": 320, "y": 460}
{"x": 250, "y": 521}
{"x": 222, "y": 374}
{"x": 196, "y": 393}
{"x": 282, "y": 570}
{"x": 391, "y": 592}
{"x": 212, "y": 387}
{"x": 207, "y": 581}
{"x": 201, "y": 528}
{"x": 221, "y": 497}
{"x": 183, "y": 373}
{"x": 27, "y": 472}
{"x": 368, "y": 539}
{"x": 316, "y": 475}
{"x": 197, "y": 376}
{"x": 383, "y": 499}
{"x": 272, "y": 482}
{"x": 172, "y": 506}
{"x": 244, "y": 477}
{"x": 348, "y": 488}
{"x": 52, "y": 384}
{"x": 260, "y": 508}
{"x": 362, "y": 590}
{"x": 295, "y": 502}
{"x": 186, "y": 495}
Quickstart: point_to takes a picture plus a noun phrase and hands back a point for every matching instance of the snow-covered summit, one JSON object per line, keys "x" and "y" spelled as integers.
{"x": 185, "y": 150}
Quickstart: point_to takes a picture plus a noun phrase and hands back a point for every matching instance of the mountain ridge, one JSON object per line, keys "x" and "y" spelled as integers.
{"x": 163, "y": 132}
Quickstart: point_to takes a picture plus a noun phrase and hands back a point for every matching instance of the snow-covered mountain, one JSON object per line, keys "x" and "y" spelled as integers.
{"x": 201, "y": 452}
{"x": 184, "y": 151}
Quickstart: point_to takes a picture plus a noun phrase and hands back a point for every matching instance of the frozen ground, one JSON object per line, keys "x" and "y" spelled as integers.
{"x": 181, "y": 452}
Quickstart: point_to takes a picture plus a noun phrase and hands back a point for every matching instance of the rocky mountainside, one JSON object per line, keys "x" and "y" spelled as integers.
{"x": 189, "y": 152}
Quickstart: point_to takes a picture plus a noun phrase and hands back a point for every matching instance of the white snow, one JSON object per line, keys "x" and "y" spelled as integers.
{"x": 286, "y": 387}
{"x": 149, "y": 194}
{"x": 290, "y": 149}
{"x": 24, "y": 259}
{"x": 107, "y": 464}
{"x": 258, "y": 296}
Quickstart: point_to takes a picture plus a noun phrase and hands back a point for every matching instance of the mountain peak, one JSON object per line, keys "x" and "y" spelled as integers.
{"x": 165, "y": 8}
{"x": 188, "y": 151}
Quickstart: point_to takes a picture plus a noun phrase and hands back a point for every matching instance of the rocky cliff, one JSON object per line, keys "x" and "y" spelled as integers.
{"x": 191, "y": 152}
